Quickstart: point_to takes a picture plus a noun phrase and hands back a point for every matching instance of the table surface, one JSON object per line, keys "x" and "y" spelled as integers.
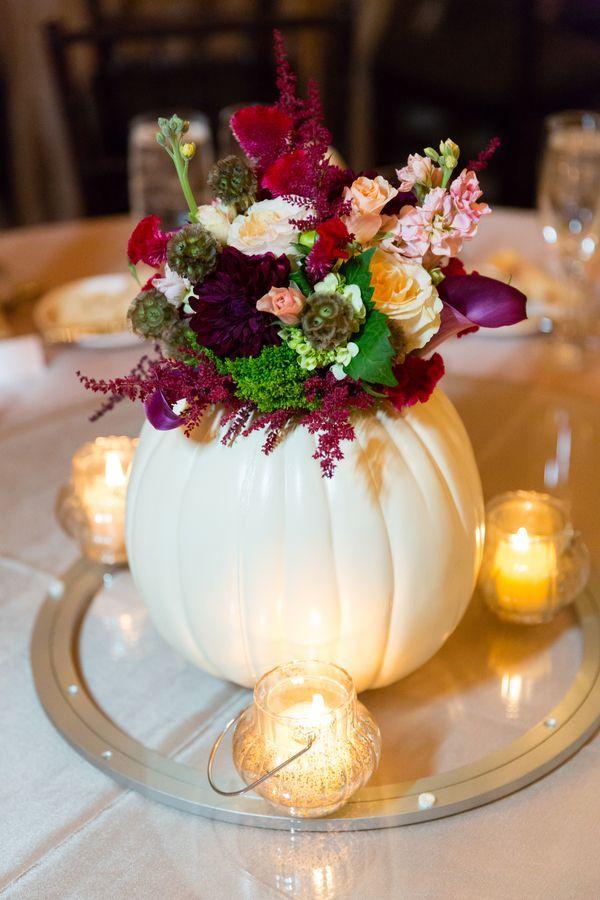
{"x": 67, "y": 831}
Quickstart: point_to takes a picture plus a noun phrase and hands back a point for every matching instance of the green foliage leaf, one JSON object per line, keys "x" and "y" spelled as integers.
{"x": 134, "y": 273}
{"x": 356, "y": 271}
{"x": 300, "y": 279}
{"x": 374, "y": 361}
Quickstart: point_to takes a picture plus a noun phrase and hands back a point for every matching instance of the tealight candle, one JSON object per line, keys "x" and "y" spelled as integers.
{"x": 534, "y": 562}
{"x": 307, "y": 710}
{"x": 92, "y": 508}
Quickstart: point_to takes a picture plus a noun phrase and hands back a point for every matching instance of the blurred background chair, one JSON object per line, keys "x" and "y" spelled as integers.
{"x": 395, "y": 78}
{"x": 141, "y": 64}
{"x": 474, "y": 70}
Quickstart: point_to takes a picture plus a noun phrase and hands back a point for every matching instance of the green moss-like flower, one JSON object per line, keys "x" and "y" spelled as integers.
{"x": 233, "y": 181}
{"x": 192, "y": 253}
{"x": 151, "y": 314}
{"x": 273, "y": 380}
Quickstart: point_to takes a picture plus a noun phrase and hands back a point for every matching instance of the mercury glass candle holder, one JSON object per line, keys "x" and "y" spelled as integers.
{"x": 307, "y": 710}
{"x": 91, "y": 508}
{"x": 534, "y": 561}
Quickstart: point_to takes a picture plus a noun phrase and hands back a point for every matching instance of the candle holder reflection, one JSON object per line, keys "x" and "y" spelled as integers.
{"x": 305, "y": 743}
{"x": 534, "y": 561}
{"x": 91, "y": 508}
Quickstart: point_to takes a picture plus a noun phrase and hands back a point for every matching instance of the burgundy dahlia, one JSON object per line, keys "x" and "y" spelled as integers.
{"x": 225, "y": 316}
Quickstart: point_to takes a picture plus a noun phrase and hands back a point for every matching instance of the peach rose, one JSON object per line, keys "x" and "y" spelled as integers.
{"x": 403, "y": 290}
{"x": 286, "y": 303}
{"x": 370, "y": 195}
{"x": 367, "y": 197}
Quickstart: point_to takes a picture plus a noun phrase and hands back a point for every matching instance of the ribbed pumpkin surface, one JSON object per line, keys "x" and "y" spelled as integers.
{"x": 246, "y": 561}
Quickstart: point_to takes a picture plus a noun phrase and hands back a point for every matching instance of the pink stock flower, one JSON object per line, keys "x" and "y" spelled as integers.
{"x": 419, "y": 170}
{"x": 446, "y": 219}
{"x": 286, "y": 303}
{"x": 465, "y": 193}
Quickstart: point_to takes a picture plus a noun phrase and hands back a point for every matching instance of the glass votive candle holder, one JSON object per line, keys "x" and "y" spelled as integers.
{"x": 534, "y": 562}
{"x": 91, "y": 508}
{"x": 306, "y": 739}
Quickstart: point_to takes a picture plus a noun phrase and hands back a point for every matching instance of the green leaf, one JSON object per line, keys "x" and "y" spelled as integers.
{"x": 300, "y": 279}
{"x": 357, "y": 271}
{"x": 374, "y": 360}
{"x": 134, "y": 273}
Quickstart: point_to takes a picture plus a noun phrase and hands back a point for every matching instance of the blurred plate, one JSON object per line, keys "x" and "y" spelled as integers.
{"x": 91, "y": 312}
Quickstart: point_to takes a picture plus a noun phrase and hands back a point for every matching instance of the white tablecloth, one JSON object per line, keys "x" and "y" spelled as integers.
{"x": 68, "y": 831}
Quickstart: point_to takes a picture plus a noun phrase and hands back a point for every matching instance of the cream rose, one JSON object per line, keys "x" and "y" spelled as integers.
{"x": 217, "y": 218}
{"x": 266, "y": 227}
{"x": 403, "y": 290}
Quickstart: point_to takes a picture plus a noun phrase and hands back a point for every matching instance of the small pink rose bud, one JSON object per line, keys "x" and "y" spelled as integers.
{"x": 286, "y": 303}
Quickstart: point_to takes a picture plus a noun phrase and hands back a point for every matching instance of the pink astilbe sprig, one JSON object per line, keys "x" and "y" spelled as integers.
{"x": 483, "y": 158}
{"x": 331, "y": 420}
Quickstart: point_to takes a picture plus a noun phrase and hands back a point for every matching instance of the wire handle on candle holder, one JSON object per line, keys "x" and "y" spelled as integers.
{"x": 249, "y": 787}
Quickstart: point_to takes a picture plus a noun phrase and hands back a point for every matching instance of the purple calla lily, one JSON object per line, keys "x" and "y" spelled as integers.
{"x": 159, "y": 412}
{"x": 473, "y": 301}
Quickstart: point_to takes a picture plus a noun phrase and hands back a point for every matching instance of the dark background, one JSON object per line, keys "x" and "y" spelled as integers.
{"x": 396, "y": 76}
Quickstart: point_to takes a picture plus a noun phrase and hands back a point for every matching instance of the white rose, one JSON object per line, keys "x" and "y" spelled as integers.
{"x": 266, "y": 228}
{"x": 403, "y": 290}
{"x": 216, "y": 218}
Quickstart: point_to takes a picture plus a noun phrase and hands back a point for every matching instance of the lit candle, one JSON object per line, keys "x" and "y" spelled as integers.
{"x": 534, "y": 562}
{"x": 525, "y": 571}
{"x": 94, "y": 509}
{"x": 312, "y": 707}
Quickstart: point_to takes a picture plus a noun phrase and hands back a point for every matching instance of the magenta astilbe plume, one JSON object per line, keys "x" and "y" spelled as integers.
{"x": 200, "y": 385}
{"x": 331, "y": 421}
{"x": 484, "y": 157}
{"x": 303, "y": 169}
{"x": 225, "y": 316}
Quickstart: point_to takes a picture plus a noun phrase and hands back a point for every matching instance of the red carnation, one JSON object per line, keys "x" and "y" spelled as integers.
{"x": 148, "y": 242}
{"x": 331, "y": 245}
{"x": 417, "y": 378}
{"x": 262, "y": 132}
{"x": 455, "y": 266}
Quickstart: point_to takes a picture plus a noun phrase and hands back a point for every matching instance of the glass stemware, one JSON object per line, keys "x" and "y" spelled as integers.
{"x": 569, "y": 209}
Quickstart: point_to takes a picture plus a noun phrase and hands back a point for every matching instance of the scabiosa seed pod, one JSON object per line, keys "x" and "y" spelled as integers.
{"x": 328, "y": 320}
{"x": 192, "y": 252}
{"x": 176, "y": 338}
{"x": 233, "y": 181}
{"x": 151, "y": 314}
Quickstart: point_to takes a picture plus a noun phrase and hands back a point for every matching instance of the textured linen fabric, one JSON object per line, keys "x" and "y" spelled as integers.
{"x": 68, "y": 831}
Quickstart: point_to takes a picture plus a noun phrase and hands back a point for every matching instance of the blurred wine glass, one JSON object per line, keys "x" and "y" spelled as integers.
{"x": 569, "y": 208}
{"x": 153, "y": 183}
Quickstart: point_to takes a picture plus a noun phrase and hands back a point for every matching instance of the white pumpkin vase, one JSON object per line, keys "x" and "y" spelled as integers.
{"x": 247, "y": 561}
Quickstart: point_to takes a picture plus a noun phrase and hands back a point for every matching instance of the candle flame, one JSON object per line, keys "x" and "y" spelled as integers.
{"x": 113, "y": 470}
{"x": 318, "y": 706}
{"x": 520, "y": 541}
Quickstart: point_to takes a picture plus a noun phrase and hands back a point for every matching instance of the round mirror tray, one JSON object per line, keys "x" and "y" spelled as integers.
{"x": 498, "y": 707}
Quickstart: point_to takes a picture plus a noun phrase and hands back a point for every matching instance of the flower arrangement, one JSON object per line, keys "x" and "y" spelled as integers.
{"x": 305, "y": 293}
